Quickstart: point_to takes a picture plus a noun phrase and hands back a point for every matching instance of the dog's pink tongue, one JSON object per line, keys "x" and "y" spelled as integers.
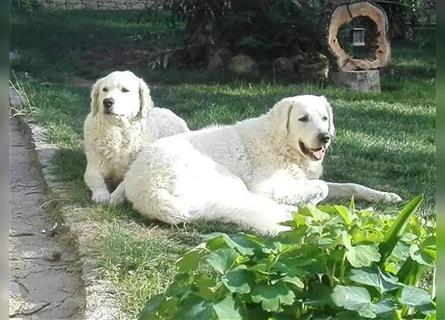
{"x": 319, "y": 154}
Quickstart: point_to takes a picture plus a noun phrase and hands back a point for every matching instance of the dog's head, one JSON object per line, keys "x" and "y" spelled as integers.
{"x": 305, "y": 123}
{"x": 121, "y": 94}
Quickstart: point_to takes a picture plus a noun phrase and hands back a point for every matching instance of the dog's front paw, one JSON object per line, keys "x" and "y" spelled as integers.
{"x": 272, "y": 229}
{"x": 101, "y": 197}
{"x": 318, "y": 191}
{"x": 389, "y": 197}
{"x": 117, "y": 198}
{"x": 289, "y": 210}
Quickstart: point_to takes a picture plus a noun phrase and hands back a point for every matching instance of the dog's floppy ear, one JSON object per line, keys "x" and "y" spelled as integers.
{"x": 279, "y": 116}
{"x": 145, "y": 99}
{"x": 95, "y": 98}
{"x": 331, "y": 128}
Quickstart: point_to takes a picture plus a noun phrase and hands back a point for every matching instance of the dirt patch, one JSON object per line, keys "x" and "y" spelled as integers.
{"x": 116, "y": 57}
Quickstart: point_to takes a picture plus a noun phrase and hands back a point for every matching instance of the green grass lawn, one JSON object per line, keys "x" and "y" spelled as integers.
{"x": 384, "y": 140}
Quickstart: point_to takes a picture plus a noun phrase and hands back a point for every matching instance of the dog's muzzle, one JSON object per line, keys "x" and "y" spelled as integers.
{"x": 108, "y": 103}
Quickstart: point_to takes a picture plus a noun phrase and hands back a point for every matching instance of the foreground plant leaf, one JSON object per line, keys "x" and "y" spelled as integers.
{"x": 226, "y": 309}
{"x": 362, "y": 255}
{"x": 422, "y": 255}
{"x": 319, "y": 295}
{"x": 418, "y": 298}
{"x": 353, "y": 298}
{"x": 307, "y": 273}
{"x": 398, "y": 228}
{"x": 148, "y": 312}
{"x": 346, "y": 213}
{"x": 409, "y": 272}
{"x": 194, "y": 308}
{"x": 222, "y": 259}
{"x": 240, "y": 242}
{"x": 272, "y": 296}
{"x": 238, "y": 281}
{"x": 384, "y": 309}
{"x": 191, "y": 259}
{"x": 375, "y": 278}
{"x": 204, "y": 287}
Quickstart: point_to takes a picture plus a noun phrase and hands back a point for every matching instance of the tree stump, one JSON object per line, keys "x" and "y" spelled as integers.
{"x": 361, "y": 81}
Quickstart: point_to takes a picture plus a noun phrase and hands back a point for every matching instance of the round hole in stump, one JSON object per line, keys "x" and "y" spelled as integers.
{"x": 345, "y": 40}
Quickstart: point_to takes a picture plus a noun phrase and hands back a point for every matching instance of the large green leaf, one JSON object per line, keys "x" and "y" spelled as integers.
{"x": 240, "y": 242}
{"x": 346, "y": 214}
{"x": 181, "y": 287}
{"x": 385, "y": 309}
{"x": 401, "y": 251}
{"x": 355, "y": 299}
{"x": 294, "y": 280}
{"x": 409, "y": 272}
{"x": 398, "y": 228}
{"x": 376, "y": 278}
{"x": 345, "y": 315}
{"x": 190, "y": 260}
{"x": 362, "y": 255}
{"x": 222, "y": 259}
{"x": 196, "y": 309}
{"x": 272, "y": 297}
{"x": 227, "y": 310}
{"x": 149, "y": 311}
{"x": 319, "y": 295}
{"x": 422, "y": 255}
{"x": 418, "y": 298}
{"x": 238, "y": 281}
{"x": 205, "y": 287}
{"x": 312, "y": 211}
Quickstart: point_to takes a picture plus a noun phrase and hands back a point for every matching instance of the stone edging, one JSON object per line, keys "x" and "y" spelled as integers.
{"x": 101, "y": 300}
{"x": 100, "y": 4}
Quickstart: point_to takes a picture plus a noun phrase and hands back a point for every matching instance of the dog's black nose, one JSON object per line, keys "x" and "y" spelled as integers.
{"x": 324, "y": 137}
{"x": 108, "y": 102}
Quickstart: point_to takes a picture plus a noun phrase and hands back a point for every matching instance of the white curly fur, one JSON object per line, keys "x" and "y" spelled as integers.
{"x": 114, "y": 136}
{"x": 253, "y": 173}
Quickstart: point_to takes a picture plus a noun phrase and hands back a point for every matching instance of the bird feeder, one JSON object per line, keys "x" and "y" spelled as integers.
{"x": 358, "y": 37}
{"x": 375, "y": 44}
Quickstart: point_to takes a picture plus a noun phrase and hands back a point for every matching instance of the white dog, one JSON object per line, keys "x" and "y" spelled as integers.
{"x": 252, "y": 173}
{"x": 122, "y": 118}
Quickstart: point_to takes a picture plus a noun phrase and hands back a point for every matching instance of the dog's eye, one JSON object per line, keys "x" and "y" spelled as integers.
{"x": 304, "y": 118}
{"x": 324, "y": 118}
{"x": 125, "y": 90}
{"x": 105, "y": 89}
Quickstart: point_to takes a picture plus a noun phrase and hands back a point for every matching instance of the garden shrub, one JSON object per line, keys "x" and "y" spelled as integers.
{"x": 263, "y": 29}
{"x": 337, "y": 262}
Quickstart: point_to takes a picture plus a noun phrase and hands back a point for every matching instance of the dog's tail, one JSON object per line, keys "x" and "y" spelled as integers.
{"x": 163, "y": 206}
{"x": 250, "y": 210}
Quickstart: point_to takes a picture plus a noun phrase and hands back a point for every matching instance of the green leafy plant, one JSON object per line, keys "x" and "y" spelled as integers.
{"x": 335, "y": 263}
{"x": 25, "y": 5}
{"x": 264, "y": 29}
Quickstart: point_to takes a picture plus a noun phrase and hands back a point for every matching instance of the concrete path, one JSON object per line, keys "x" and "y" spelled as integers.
{"x": 44, "y": 283}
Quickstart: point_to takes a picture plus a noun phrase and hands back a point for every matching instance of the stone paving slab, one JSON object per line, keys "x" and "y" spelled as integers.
{"x": 43, "y": 284}
{"x": 100, "y": 300}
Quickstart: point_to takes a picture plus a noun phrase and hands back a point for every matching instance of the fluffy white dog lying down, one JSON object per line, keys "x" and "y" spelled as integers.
{"x": 252, "y": 173}
{"x": 122, "y": 118}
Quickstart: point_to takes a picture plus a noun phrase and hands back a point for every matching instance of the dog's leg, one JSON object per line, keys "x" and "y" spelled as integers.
{"x": 97, "y": 185}
{"x": 118, "y": 195}
{"x": 359, "y": 192}
{"x": 293, "y": 192}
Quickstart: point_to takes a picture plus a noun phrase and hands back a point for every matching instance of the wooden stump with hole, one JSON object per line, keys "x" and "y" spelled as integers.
{"x": 359, "y": 73}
